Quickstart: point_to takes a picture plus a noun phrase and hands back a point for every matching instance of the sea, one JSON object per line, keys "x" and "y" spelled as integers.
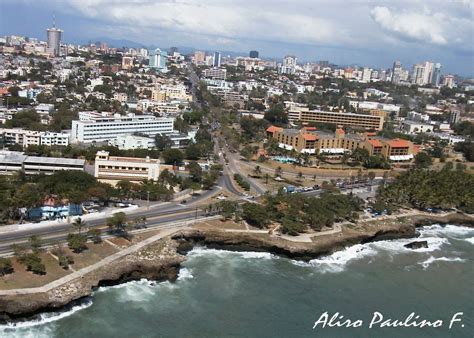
{"x": 253, "y": 294}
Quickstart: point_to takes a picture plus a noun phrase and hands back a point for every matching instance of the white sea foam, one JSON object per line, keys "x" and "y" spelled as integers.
{"x": 470, "y": 240}
{"x": 203, "y": 251}
{"x": 432, "y": 259}
{"x": 451, "y": 231}
{"x": 185, "y": 273}
{"x": 398, "y": 245}
{"x": 338, "y": 260}
{"x": 45, "y": 318}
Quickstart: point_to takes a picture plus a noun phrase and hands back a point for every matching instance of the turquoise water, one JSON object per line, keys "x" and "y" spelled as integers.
{"x": 246, "y": 294}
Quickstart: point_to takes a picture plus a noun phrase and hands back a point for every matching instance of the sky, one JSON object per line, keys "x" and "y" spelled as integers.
{"x": 345, "y": 32}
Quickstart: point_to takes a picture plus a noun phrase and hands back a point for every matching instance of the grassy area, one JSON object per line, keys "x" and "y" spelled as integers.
{"x": 21, "y": 278}
{"x": 219, "y": 225}
{"x": 93, "y": 254}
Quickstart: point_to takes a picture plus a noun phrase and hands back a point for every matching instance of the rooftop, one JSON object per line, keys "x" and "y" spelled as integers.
{"x": 398, "y": 143}
{"x": 54, "y": 160}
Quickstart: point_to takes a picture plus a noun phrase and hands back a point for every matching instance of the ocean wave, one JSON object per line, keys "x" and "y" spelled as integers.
{"x": 203, "y": 251}
{"x": 185, "y": 273}
{"x": 137, "y": 283}
{"x": 44, "y": 318}
{"x": 432, "y": 259}
{"x": 470, "y": 240}
{"x": 398, "y": 245}
{"x": 449, "y": 230}
{"x": 338, "y": 260}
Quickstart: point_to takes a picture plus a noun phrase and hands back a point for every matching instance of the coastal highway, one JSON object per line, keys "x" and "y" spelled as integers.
{"x": 59, "y": 232}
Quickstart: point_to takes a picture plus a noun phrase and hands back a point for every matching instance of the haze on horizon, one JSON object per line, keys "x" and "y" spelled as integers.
{"x": 363, "y": 32}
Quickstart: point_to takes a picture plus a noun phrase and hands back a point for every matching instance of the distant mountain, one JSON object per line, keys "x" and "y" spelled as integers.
{"x": 117, "y": 43}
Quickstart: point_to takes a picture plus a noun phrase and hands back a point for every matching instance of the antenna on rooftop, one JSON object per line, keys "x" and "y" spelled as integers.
{"x": 54, "y": 20}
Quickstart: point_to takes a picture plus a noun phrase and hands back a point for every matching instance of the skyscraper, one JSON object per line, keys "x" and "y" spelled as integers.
{"x": 217, "y": 59}
{"x": 158, "y": 60}
{"x": 253, "y": 54}
{"x": 426, "y": 73}
{"x": 54, "y": 39}
{"x": 199, "y": 57}
{"x": 396, "y": 72}
{"x": 289, "y": 65}
{"x": 436, "y": 74}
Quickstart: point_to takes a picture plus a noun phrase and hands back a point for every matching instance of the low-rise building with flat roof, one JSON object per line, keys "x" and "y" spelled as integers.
{"x": 13, "y": 161}
{"x": 113, "y": 168}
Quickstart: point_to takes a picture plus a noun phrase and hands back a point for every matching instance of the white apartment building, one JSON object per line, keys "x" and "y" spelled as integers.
{"x": 126, "y": 142}
{"x": 29, "y": 137}
{"x": 215, "y": 73}
{"x": 58, "y": 139}
{"x": 414, "y": 127}
{"x": 97, "y": 129}
{"x": 176, "y": 92}
{"x": 113, "y": 168}
{"x": 121, "y": 97}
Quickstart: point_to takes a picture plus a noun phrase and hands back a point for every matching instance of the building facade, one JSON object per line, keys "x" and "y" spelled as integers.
{"x": 311, "y": 141}
{"x": 26, "y": 138}
{"x": 113, "y": 168}
{"x": 97, "y": 129}
{"x": 12, "y": 161}
{"x": 306, "y": 116}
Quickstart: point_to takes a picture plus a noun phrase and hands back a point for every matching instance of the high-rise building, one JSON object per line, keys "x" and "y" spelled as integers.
{"x": 172, "y": 51}
{"x": 54, "y": 39}
{"x": 324, "y": 64}
{"x": 217, "y": 59}
{"x": 436, "y": 74}
{"x": 426, "y": 73}
{"x": 158, "y": 59}
{"x": 454, "y": 116}
{"x": 396, "y": 72}
{"x": 418, "y": 74}
{"x": 127, "y": 62}
{"x": 253, "y": 54}
{"x": 289, "y": 65}
{"x": 366, "y": 74}
{"x": 448, "y": 81}
{"x": 199, "y": 57}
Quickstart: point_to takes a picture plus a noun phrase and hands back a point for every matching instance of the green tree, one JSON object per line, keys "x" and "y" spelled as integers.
{"x": 118, "y": 222}
{"x": 95, "y": 235}
{"x": 255, "y": 214}
{"x": 163, "y": 142}
{"x": 77, "y": 242}
{"x": 423, "y": 160}
{"x": 79, "y": 224}
{"x": 35, "y": 243}
{"x": 195, "y": 171}
{"x": 6, "y": 266}
{"x": 172, "y": 156}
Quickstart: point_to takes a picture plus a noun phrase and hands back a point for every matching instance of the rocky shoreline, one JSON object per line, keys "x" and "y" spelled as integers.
{"x": 158, "y": 262}
{"x": 161, "y": 261}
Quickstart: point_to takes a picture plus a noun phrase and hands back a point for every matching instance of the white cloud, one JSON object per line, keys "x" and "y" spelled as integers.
{"x": 422, "y": 25}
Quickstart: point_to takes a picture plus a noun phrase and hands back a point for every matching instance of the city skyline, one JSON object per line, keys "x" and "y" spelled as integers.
{"x": 380, "y": 39}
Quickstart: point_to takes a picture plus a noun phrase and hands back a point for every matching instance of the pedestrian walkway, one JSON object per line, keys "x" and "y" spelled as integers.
{"x": 82, "y": 272}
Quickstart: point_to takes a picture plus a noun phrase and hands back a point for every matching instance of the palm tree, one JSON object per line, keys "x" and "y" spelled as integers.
{"x": 257, "y": 170}
{"x": 79, "y": 224}
{"x": 278, "y": 171}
